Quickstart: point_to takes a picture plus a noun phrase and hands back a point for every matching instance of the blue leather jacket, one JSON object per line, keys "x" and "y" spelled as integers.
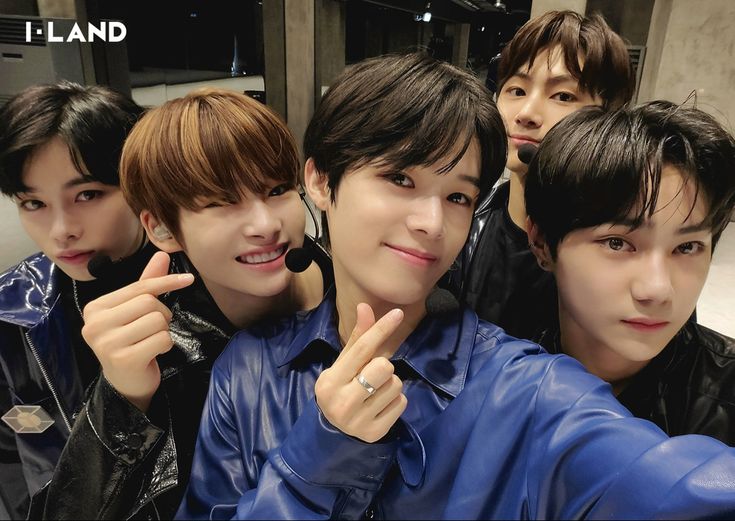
{"x": 495, "y": 428}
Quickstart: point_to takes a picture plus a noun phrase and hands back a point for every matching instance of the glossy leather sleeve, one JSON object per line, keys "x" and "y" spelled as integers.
{"x": 316, "y": 473}
{"x": 107, "y": 462}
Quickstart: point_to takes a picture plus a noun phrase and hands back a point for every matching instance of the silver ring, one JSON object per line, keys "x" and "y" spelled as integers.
{"x": 369, "y": 388}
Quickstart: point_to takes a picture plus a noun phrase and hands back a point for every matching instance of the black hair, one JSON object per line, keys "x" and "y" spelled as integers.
{"x": 606, "y": 72}
{"x": 595, "y": 167}
{"x": 93, "y": 121}
{"x": 405, "y": 110}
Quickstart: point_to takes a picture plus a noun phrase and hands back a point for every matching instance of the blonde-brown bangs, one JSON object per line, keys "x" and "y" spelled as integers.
{"x": 211, "y": 144}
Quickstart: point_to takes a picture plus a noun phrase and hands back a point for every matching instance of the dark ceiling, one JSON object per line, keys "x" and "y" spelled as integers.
{"x": 463, "y": 11}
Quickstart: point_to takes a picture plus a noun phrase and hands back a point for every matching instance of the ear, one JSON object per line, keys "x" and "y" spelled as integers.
{"x": 157, "y": 233}
{"x": 539, "y": 247}
{"x": 316, "y": 184}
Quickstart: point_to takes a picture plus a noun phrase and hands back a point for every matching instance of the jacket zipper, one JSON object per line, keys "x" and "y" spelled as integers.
{"x": 47, "y": 379}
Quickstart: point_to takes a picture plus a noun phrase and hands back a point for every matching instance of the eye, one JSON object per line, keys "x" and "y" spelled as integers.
{"x": 566, "y": 97}
{"x": 616, "y": 244}
{"x": 30, "y": 205}
{"x": 516, "y": 91}
{"x": 88, "y": 195}
{"x": 460, "y": 198}
{"x": 280, "y": 190}
{"x": 399, "y": 179}
{"x": 690, "y": 248}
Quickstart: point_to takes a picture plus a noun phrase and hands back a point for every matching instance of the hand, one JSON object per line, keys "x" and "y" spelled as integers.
{"x": 128, "y": 328}
{"x": 343, "y": 400}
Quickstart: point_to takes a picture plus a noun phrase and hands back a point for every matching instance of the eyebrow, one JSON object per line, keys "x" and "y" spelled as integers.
{"x": 472, "y": 179}
{"x": 553, "y": 80}
{"x": 69, "y": 184}
{"x": 691, "y": 228}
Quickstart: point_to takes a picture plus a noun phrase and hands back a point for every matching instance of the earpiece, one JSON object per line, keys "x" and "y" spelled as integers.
{"x": 161, "y": 233}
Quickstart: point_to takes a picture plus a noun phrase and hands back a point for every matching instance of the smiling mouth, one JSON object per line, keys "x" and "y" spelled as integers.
{"x": 262, "y": 258}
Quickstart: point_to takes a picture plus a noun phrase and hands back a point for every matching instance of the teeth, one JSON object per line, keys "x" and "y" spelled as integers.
{"x": 260, "y": 258}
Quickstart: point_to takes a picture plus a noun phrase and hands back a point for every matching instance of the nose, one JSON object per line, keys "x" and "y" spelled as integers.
{"x": 64, "y": 227}
{"x": 261, "y": 222}
{"x": 427, "y": 217}
{"x": 652, "y": 283}
{"x": 530, "y": 115}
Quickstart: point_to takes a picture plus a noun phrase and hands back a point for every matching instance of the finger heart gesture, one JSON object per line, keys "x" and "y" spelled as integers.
{"x": 359, "y": 394}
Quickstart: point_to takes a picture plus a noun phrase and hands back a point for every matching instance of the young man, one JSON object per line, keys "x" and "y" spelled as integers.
{"x": 555, "y": 64}
{"x": 625, "y": 211}
{"x": 214, "y": 176}
{"x": 330, "y": 414}
{"x": 59, "y": 150}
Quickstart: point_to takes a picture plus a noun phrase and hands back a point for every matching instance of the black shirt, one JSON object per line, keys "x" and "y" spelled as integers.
{"x": 504, "y": 284}
{"x": 688, "y": 388}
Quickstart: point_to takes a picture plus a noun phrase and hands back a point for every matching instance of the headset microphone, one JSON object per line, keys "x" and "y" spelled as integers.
{"x": 100, "y": 265}
{"x": 526, "y": 152}
{"x": 298, "y": 259}
{"x": 440, "y": 301}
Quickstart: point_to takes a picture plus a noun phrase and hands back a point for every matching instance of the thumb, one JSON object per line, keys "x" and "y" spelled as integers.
{"x": 364, "y": 321}
{"x": 157, "y": 266}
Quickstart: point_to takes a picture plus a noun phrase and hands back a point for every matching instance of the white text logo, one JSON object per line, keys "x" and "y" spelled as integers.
{"x": 106, "y": 32}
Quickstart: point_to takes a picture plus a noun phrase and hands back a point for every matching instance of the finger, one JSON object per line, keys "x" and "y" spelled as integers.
{"x": 390, "y": 414}
{"x": 141, "y": 354}
{"x": 376, "y": 373}
{"x": 130, "y": 334}
{"x": 364, "y": 349}
{"x": 154, "y": 286}
{"x": 387, "y": 392}
{"x": 157, "y": 266}
{"x": 132, "y": 310}
{"x": 365, "y": 319}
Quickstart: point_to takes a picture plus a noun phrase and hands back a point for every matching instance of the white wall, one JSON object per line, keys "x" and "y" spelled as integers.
{"x": 14, "y": 243}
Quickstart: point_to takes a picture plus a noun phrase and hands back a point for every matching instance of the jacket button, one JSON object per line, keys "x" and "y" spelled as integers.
{"x": 369, "y": 513}
{"x": 135, "y": 441}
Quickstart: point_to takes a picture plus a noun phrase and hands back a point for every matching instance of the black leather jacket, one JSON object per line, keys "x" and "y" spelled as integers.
{"x": 497, "y": 274}
{"x": 689, "y": 388}
{"x": 118, "y": 462}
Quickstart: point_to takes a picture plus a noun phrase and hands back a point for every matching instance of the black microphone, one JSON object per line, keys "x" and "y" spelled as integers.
{"x": 298, "y": 259}
{"x": 526, "y": 152}
{"x": 100, "y": 266}
{"x": 440, "y": 301}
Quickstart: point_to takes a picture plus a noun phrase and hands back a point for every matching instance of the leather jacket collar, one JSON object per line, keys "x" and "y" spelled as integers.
{"x": 29, "y": 291}
{"x": 438, "y": 350}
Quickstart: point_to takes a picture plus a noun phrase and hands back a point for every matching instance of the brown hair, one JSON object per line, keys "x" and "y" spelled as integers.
{"x": 606, "y": 70}
{"x": 211, "y": 143}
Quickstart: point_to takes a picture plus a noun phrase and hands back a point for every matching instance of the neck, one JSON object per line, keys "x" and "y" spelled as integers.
{"x": 304, "y": 291}
{"x": 595, "y": 355}
{"x": 517, "y": 201}
{"x": 349, "y": 295}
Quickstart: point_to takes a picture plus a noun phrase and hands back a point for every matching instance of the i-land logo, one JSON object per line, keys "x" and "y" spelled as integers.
{"x": 106, "y": 32}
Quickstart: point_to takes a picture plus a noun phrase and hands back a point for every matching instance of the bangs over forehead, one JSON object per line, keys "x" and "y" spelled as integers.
{"x": 211, "y": 144}
{"x": 405, "y": 110}
{"x": 606, "y": 69}
{"x": 595, "y": 168}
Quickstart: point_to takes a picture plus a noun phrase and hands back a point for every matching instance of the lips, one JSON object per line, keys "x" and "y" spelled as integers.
{"x": 263, "y": 256}
{"x": 412, "y": 255}
{"x": 75, "y": 256}
{"x": 518, "y": 139}
{"x": 646, "y": 324}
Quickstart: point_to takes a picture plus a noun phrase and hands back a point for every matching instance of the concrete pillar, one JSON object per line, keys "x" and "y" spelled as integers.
{"x": 274, "y": 51}
{"x": 692, "y": 50}
{"x": 329, "y": 34}
{"x": 460, "y": 43}
{"x": 299, "y": 65}
{"x": 540, "y": 7}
